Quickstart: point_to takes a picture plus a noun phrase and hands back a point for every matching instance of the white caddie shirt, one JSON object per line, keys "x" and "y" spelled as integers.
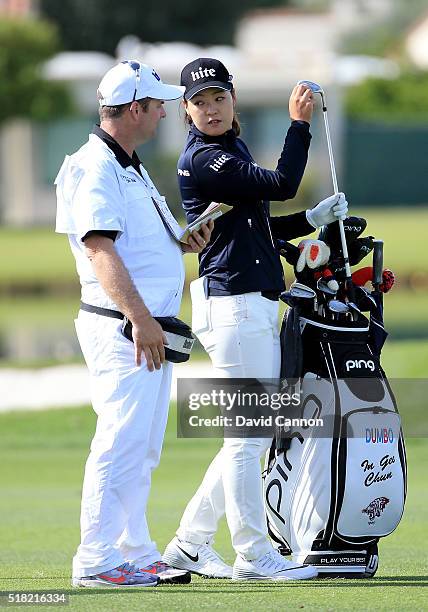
{"x": 95, "y": 192}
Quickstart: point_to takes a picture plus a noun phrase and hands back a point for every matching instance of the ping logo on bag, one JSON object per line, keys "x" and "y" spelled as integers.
{"x": 359, "y": 364}
{"x": 375, "y": 508}
{"x": 353, "y": 228}
{"x": 383, "y": 435}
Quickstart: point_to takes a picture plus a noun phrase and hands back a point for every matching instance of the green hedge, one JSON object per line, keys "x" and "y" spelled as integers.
{"x": 390, "y": 100}
{"x": 24, "y": 46}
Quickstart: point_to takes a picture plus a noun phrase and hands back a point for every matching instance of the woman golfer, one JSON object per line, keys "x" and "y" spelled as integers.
{"x": 235, "y": 306}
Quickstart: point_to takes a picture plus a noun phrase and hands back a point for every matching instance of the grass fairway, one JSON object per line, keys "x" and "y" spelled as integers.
{"x": 40, "y": 255}
{"x": 42, "y": 457}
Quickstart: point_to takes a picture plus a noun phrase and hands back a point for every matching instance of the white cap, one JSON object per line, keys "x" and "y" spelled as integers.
{"x": 131, "y": 80}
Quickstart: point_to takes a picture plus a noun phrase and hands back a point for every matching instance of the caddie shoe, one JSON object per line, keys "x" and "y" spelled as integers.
{"x": 196, "y": 558}
{"x": 271, "y": 566}
{"x": 125, "y": 575}
{"x": 167, "y": 574}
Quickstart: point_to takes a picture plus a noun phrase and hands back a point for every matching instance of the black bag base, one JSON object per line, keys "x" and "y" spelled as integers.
{"x": 349, "y": 564}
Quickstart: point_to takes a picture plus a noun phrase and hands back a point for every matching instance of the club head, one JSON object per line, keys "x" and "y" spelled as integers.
{"x": 288, "y": 298}
{"x": 299, "y": 290}
{"x": 353, "y": 308}
{"x": 338, "y": 306}
{"x": 321, "y": 310}
{"x": 324, "y": 288}
{"x": 314, "y": 87}
{"x": 365, "y": 301}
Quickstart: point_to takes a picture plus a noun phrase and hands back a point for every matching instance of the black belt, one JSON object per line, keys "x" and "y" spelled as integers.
{"x": 104, "y": 312}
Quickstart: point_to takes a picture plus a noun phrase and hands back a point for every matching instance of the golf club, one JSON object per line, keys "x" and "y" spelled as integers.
{"x": 377, "y": 264}
{"x": 299, "y": 290}
{"x": 324, "y": 288}
{"x": 321, "y": 310}
{"x": 365, "y": 301}
{"x": 288, "y": 298}
{"x": 315, "y": 88}
{"x": 353, "y": 308}
{"x": 338, "y": 307}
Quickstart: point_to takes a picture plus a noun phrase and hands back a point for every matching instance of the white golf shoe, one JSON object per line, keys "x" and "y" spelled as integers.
{"x": 272, "y": 566}
{"x": 196, "y": 558}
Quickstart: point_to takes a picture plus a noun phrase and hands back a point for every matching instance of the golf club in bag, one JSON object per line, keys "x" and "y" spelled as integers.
{"x": 332, "y": 491}
{"x": 317, "y": 89}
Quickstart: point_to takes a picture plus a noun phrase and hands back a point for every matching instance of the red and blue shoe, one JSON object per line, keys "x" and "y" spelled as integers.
{"x": 166, "y": 573}
{"x": 125, "y": 575}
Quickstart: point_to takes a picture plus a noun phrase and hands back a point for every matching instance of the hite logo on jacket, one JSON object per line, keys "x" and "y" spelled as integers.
{"x": 375, "y": 508}
{"x": 217, "y": 163}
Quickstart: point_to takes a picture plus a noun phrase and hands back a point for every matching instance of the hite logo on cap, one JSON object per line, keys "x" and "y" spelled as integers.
{"x": 202, "y": 73}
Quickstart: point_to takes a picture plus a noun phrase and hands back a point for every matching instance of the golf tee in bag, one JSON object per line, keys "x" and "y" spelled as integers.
{"x": 332, "y": 492}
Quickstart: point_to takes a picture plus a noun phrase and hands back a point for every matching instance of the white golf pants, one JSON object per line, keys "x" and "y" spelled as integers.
{"x": 132, "y": 408}
{"x": 240, "y": 334}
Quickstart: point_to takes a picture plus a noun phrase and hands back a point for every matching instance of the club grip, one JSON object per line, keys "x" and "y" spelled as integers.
{"x": 377, "y": 262}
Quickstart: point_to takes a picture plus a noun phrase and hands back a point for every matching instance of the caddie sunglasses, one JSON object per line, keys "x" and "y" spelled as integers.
{"x": 136, "y": 66}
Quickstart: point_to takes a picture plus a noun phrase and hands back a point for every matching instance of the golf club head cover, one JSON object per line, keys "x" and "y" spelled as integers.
{"x": 364, "y": 275}
{"x": 359, "y": 248}
{"x": 313, "y": 253}
{"x": 388, "y": 280}
{"x": 290, "y": 252}
{"x": 328, "y": 277}
{"x": 330, "y": 234}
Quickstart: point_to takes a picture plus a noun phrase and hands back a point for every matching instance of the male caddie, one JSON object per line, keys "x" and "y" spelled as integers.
{"x": 129, "y": 264}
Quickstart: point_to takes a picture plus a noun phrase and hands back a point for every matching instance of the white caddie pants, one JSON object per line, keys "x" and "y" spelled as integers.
{"x": 132, "y": 408}
{"x": 240, "y": 334}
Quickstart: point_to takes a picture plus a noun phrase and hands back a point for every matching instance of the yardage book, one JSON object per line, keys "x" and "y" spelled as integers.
{"x": 214, "y": 210}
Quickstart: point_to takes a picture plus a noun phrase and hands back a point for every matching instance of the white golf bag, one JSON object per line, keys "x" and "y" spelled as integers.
{"x": 331, "y": 492}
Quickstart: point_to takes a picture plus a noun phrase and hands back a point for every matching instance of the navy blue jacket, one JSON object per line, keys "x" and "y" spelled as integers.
{"x": 241, "y": 256}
